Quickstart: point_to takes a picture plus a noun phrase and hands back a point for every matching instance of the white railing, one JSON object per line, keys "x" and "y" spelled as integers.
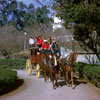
{"x": 85, "y": 58}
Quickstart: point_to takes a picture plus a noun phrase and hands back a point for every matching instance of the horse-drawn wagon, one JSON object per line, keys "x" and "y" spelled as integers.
{"x": 36, "y": 57}
{"x": 51, "y": 65}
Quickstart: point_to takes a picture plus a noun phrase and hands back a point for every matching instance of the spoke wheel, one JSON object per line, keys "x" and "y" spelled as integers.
{"x": 38, "y": 70}
{"x": 28, "y": 67}
{"x": 38, "y": 74}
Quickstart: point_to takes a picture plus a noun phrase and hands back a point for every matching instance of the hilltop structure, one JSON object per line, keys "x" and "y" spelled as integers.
{"x": 57, "y": 23}
{"x": 62, "y": 35}
{"x": 58, "y": 27}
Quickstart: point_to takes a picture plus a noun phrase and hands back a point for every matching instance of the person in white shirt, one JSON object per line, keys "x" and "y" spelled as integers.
{"x": 31, "y": 42}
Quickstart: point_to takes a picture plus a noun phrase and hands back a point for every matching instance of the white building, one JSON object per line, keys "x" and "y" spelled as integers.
{"x": 57, "y": 23}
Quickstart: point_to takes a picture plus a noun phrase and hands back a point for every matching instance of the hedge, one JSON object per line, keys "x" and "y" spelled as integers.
{"x": 7, "y": 76}
{"x": 92, "y": 72}
{"x": 13, "y": 63}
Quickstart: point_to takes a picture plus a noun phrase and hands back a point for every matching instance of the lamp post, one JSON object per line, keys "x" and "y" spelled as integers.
{"x": 25, "y": 33}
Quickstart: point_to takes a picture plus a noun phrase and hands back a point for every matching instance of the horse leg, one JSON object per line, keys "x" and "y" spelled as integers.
{"x": 52, "y": 80}
{"x": 66, "y": 78}
{"x": 56, "y": 78}
{"x": 72, "y": 79}
{"x": 45, "y": 77}
{"x": 54, "y": 87}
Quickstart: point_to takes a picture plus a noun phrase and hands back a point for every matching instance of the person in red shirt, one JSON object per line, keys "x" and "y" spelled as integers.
{"x": 45, "y": 47}
{"x": 38, "y": 41}
{"x": 42, "y": 39}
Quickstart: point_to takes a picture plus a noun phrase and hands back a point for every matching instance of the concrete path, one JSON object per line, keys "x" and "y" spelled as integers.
{"x": 37, "y": 89}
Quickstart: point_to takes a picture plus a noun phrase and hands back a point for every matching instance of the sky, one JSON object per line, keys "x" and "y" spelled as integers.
{"x": 30, "y": 1}
{"x": 36, "y": 4}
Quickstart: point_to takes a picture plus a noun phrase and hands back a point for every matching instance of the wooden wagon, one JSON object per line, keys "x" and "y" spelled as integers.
{"x": 36, "y": 57}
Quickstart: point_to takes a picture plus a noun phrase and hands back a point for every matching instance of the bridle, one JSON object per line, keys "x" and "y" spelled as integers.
{"x": 55, "y": 60}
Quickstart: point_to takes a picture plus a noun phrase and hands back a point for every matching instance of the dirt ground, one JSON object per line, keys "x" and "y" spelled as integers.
{"x": 36, "y": 89}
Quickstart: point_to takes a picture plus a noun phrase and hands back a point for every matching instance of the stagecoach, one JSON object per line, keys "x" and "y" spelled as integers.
{"x": 33, "y": 63}
{"x": 52, "y": 64}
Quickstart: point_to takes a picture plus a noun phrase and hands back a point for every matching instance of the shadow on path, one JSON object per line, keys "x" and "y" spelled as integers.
{"x": 76, "y": 83}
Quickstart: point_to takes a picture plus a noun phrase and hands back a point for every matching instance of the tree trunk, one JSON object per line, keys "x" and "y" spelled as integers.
{"x": 97, "y": 55}
{"x": 93, "y": 49}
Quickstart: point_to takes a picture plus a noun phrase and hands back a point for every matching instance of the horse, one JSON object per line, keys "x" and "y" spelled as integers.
{"x": 44, "y": 66}
{"x": 53, "y": 69}
{"x": 68, "y": 67}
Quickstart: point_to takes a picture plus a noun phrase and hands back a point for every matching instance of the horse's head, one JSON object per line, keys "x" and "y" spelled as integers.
{"x": 72, "y": 57}
{"x": 46, "y": 59}
{"x": 53, "y": 59}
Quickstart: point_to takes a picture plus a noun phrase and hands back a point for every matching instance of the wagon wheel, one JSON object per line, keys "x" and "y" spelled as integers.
{"x": 28, "y": 67}
{"x": 38, "y": 70}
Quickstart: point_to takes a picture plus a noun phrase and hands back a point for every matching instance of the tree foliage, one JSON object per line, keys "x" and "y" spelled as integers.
{"x": 21, "y": 15}
{"x": 83, "y": 16}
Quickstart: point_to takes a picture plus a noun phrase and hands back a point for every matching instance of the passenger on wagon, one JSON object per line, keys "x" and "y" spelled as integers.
{"x": 36, "y": 41}
{"x": 45, "y": 47}
{"x": 42, "y": 39}
{"x": 52, "y": 39}
{"x": 39, "y": 41}
{"x": 31, "y": 42}
{"x": 55, "y": 48}
{"x": 49, "y": 39}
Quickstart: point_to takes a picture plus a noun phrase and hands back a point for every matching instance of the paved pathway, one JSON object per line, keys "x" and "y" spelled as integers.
{"x": 36, "y": 89}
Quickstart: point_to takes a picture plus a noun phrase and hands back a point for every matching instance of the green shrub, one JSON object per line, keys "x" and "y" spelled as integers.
{"x": 92, "y": 72}
{"x": 7, "y": 76}
{"x": 22, "y": 55}
{"x": 13, "y": 63}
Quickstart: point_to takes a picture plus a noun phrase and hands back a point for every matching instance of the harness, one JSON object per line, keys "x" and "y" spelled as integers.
{"x": 72, "y": 59}
{"x": 44, "y": 61}
{"x": 66, "y": 62}
{"x": 49, "y": 63}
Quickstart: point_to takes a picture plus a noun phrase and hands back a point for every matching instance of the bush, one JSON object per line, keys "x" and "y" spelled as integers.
{"x": 92, "y": 72}
{"x": 13, "y": 63}
{"x": 7, "y": 76}
{"x": 22, "y": 55}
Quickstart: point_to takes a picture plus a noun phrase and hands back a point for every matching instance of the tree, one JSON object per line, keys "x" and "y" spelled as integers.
{"x": 21, "y": 16}
{"x": 42, "y": 15}
{"x": 29, "y": 17}
{"x": 84, "y": 20}
{"x": 13, "y": 13}
{"x": 14, "y": 18}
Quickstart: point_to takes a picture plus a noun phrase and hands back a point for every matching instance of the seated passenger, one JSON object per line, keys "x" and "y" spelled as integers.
{"x": 42, "y": 39}
{"x": 31, "y": 42}
{"x": 45, "y": 47}
{"x": 39, "y": 41}
{"x": 52, "y": 39}
{"x": 55, "y": 48}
